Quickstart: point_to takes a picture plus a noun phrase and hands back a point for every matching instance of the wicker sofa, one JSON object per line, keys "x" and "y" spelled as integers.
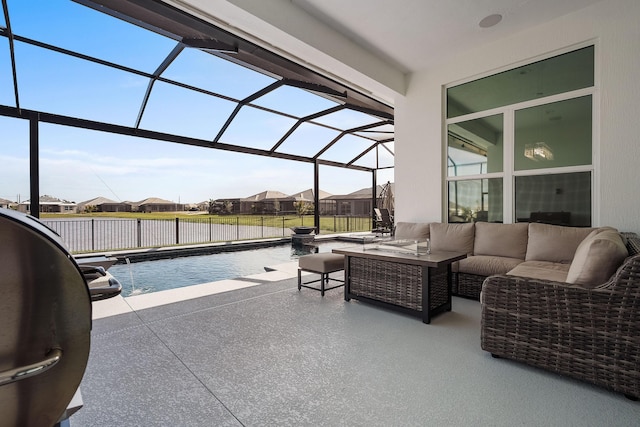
{"x": 533, "y": 250}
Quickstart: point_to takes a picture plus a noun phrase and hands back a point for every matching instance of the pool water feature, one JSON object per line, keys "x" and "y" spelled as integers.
{"x": 152, "y": 276}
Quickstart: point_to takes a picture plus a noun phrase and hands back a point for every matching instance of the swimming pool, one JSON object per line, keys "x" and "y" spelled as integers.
{"x": 152, "y": 276}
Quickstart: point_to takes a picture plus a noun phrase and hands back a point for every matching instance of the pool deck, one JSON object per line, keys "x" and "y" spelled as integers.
{"x": 257, "y": 352}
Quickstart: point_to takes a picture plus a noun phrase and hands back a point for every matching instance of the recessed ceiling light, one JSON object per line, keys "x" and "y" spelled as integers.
{"x": 490, "y": 21}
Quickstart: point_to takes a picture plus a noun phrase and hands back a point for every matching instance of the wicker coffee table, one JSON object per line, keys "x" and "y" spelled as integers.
{"x": 397, "y": 280}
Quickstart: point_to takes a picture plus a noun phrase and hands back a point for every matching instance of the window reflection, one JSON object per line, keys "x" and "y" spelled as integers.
{"x": 476, "y": 200}
{"x": 553, "y": 135}
{"x": 563, "y": 73}
{"x": 562, "y": 199}
{"x": 475, "y": 146}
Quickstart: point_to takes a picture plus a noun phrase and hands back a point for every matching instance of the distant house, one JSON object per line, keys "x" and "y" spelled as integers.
{"x": 356, "y": 203}
{"x": 307, "y": 196}
{"x": 223, "y": 206}
{"x": 266, "y": 202}
{"x": 102, "y": 204}
{"x": 155, "y": 204}
{"x": 50, "y": 204}
{"x": 4, "y": 203}
{"x": 192, "y": 207}
{"x": 276, "y": 202}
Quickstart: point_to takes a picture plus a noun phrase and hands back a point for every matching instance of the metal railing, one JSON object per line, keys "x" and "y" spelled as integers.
{"x": 111, "y": 234}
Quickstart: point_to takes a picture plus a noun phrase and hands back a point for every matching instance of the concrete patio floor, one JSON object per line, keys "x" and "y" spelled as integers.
{"x": 263, "y": 353}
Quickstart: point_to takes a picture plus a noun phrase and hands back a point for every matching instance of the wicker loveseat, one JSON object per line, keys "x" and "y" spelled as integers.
{"x": 589, "y": 334}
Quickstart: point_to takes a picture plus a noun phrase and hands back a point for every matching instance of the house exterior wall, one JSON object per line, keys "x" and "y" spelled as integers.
{"x": 612, "y": 26}
{"x": 267, "y": 206}
{"x": 114, "y": 207}
{"x": 160, "y": 207}
{"x": 49, "y": 208}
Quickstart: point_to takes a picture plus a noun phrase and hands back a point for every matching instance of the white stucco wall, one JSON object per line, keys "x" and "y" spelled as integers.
{"x": 613, "y": 24}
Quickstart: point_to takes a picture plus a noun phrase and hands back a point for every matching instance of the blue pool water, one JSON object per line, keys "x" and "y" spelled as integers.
{"x": 152, "y": 276}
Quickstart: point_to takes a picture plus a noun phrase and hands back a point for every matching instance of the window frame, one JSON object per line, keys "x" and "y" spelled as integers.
{"x": 508, "y": 112}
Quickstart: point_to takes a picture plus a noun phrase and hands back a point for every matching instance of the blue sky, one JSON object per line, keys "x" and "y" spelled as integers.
{"x": 77, "y": 164}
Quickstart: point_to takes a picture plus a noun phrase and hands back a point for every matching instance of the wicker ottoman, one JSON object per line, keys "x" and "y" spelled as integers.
{"x": 322, "y": 264}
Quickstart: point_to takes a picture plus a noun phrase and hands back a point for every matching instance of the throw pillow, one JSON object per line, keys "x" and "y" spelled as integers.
{"x": 597, "y": 258}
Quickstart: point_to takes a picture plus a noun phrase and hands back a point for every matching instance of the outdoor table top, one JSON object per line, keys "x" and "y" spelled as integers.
{"x": 434, "y": 259}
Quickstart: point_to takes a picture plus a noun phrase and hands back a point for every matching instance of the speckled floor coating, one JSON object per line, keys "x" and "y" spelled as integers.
{"x": 270, "y": 355}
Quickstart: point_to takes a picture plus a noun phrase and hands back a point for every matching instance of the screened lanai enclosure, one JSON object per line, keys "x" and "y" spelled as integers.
{"x": 147, "y": 73}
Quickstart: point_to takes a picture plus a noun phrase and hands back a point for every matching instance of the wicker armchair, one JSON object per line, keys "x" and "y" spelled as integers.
{"x": 589, "y": 334}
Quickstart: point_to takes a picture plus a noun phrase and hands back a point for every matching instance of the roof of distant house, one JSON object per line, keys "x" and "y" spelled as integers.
{"x": 49, "y": 200}
{"x": 154, "y": 201}
{"x": 266, "y": 195}
{"x": 364, "y": 193}
{"x": 99, "y": 201}
{"x": 307, "y": 195}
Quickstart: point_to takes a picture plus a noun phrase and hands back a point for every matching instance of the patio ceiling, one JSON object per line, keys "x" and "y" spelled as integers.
{"x": 146, "y": 69}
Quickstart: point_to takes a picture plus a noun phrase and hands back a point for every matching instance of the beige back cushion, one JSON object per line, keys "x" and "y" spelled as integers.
{"x": 507, "y": 240}
{"x": 597, "y": 258}
{"x": 452, "y": 237}
{"x": 412, "y": 230}
{"x": 554, "y": 243}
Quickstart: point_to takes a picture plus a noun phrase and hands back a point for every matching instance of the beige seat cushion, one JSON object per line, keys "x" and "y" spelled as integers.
{"x": 322, "y": 262}
{"x": 597, "y": 258}
{"x": 502, "y": 240}
{"x": 411, "y": 230}
{"x": 545, "y": 270}
{"x": 452, "y": 237}
{"x": 484, "y": 265}
{"x": 554, "y": 243}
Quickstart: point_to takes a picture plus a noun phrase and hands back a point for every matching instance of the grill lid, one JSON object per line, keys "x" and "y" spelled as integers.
{"x": 45, "y": 313}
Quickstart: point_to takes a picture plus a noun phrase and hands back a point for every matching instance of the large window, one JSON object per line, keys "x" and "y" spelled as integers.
{"x": 519, "y": 143}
